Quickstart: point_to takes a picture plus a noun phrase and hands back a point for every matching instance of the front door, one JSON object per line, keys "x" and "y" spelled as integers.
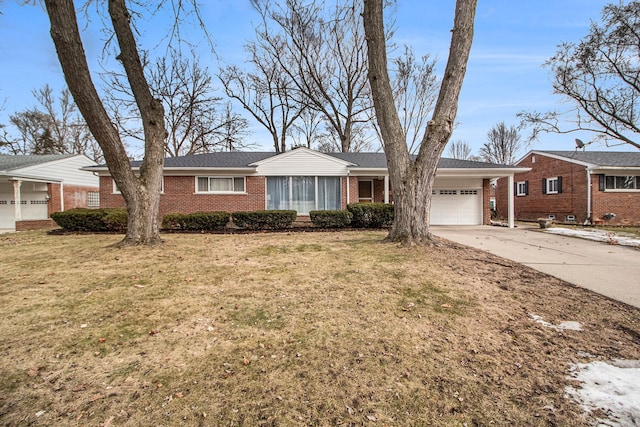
{"x": 365, "y": 191}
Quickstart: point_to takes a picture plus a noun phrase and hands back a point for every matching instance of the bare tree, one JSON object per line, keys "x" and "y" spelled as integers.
{"x": 196, "y": 119}
{"x": 415, "y": 90}
{"x": 266, "y": 92}
{"x": 54, "y": 126}
{"x": 502, "y": 146}
{"x": 307, "y": 130}
{"x": 600, "y": 76}
{"x": 141, "y": 191}
{"x": 460, "y": 150}
{"x": 324, "y": 55}
{"x": 412, "y": 179}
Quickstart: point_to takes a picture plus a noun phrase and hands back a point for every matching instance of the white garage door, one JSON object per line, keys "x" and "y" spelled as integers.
{"x": 456, "y": 207}
{"x": 6, "y": 211}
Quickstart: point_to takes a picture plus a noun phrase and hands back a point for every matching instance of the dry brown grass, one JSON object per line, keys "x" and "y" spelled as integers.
{"x": 289, "y": 329}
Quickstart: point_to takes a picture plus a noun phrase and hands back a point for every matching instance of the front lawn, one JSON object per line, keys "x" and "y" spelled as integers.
{"x": 288, "y": 329}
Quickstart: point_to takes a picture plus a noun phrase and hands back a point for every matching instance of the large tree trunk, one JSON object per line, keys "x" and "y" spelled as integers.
{"x": 412, "y": 180}
{"x": 141, "y": 193}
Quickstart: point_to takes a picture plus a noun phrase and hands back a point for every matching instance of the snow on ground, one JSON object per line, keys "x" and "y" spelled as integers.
{"x": 598, "y": 235}
{"x": 613, "y": 387}
{"x": 574, "y": 326}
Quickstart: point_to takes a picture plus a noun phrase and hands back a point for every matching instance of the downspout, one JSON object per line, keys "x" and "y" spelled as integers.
{"x": 61, "y": 196}
{"x": 511, "y": 202}
{"x": 589, "y": 197}
{"x": 348, "y": 189}
{"x": 386, "y": 188}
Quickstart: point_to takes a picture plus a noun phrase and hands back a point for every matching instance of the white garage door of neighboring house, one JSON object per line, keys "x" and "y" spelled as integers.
{"x": 456, "y": 206}
{"x": 33, "y": 204}
{"x": 6, "y": 211}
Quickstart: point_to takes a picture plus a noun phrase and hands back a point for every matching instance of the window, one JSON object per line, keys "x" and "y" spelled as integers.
{"x": 469, "y": 192}
{"x": 304, "y": 193}
{"x": 211, "y": 184}
{"x": 116, "y": 190}
{"x": 93, "y": 199}
{"x": 552, "y": 185}
{"x": 522, "y": 188}
{"x": 329, "y": 194}
{"x": 448, "y": 192}
{"x": 622, "y": 182}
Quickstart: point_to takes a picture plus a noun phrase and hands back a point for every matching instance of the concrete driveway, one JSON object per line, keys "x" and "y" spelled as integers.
{"x": 610, "y": 270}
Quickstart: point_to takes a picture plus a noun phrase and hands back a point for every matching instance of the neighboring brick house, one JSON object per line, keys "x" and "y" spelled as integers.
{"x": 34, "y": 186}
{"x": 576, "y": 186}
{"x": 306, "y": 180}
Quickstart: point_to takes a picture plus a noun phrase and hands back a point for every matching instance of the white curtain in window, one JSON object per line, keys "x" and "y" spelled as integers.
{"x": 203, "y": 184}
{"x": 329, "y": 193}
{"x": 303, "y": 190}
{"x": 277, "y": 192}
{"x": 221, "y": 184}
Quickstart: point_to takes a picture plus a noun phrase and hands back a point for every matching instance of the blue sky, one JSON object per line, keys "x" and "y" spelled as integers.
{"x": 504, "y": 75}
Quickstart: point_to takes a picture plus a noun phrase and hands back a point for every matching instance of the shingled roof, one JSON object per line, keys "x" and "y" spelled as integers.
{"x": 237, "y": 159}
{"x": 601, "y": 158}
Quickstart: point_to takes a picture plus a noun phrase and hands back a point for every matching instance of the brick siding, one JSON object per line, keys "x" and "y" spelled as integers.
{"x": 180, "y": 196}
{"x": 573, "y": 198}
{"x": 74, "y": 197}
{"x": 486, "y": 198}
{"x": 625, "y": 205}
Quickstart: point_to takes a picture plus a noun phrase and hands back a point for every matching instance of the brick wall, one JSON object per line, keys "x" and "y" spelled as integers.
{"x": 571, "y": 201}
{"x": 74, "y": 197}
{"x": 180, "y": 196}
{"x": 37, "y": 224}
{"x": 626, "y": 205}
{"x": 486, "y": 197}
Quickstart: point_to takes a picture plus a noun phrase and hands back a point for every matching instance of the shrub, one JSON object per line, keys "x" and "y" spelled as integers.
{"x": 172, "y": 221}
{"x": 331, "y": 219}
{"x": 82, "y": 219}
{"x": 116, "y": 220}
{"x": 196, "y": 221}
{"x": 371, "y": 215}
{"x": 259, "y": 220}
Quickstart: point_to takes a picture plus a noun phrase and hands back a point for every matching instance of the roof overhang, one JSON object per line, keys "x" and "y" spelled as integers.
{"x": 4, "y": 176}
{"x": 615, "y": 170}
{"x": 104, "y": 171}
{"x": 485, "y": 173}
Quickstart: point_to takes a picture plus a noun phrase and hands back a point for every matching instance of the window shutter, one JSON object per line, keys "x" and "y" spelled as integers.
{"x": 559, "y": 184}
{"x": 544, "y": 185}
{"x": 515, "y": 188}
{"x": 601, "y": 182}
{"x": 526, "y": 188}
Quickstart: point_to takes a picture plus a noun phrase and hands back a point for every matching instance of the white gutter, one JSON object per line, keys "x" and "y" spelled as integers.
{"x": 511, "y": 201}
{"x": 589, "y": 196}
{"x": 62, "y": 197}
{"x": 348, "y": 188}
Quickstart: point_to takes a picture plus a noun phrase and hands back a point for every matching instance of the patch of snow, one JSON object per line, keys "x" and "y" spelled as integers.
{"x": 570, "y": 325}
{"x": 613, "y": 387}
{"x": 597, "y": 235}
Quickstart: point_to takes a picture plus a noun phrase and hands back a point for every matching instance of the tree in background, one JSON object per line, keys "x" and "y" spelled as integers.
{"x": 52, "y": 127}
{"x": 502, "y": 146}
{"x": 323, "y": 53}
{"x": 266, "y": 92}
{"x": 412, "y": 179}
{"x": 415, "y": 87}
{"x": 460, "y": 150}
{"x": 197, "y": 121}
{"x": 600, "y": 76}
